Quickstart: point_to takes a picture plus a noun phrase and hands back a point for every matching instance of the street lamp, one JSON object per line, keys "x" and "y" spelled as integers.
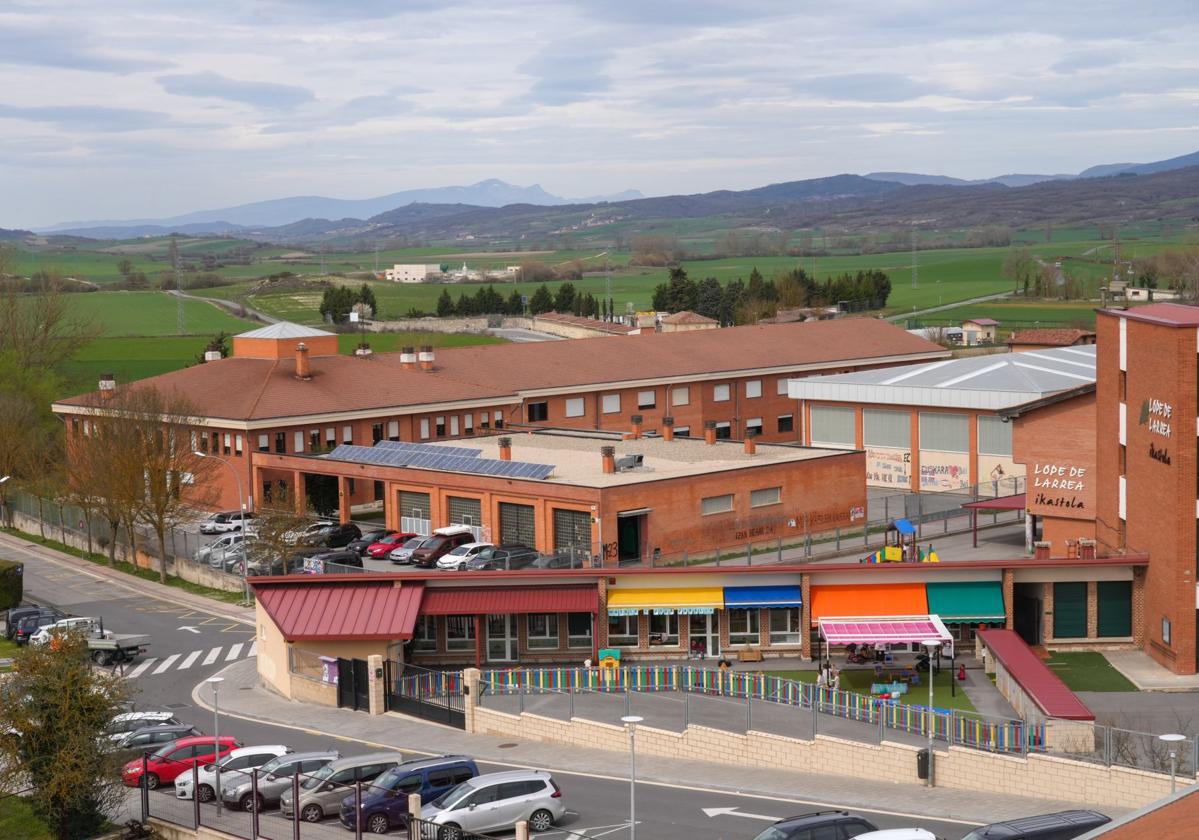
{"x": 1170, "y": 740}
{"x": 245, "y": 528}
{"x": 931, "y": 646}
{"x": 631, "y": 722}
{"x": 215, "y": 684}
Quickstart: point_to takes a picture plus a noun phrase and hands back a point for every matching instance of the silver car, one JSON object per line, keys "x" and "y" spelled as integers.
{"x": 495, "y": 802}
{"x": 321, "y": 792}
{"x": 212, "y": 552}
{"x": 274, "y": 779}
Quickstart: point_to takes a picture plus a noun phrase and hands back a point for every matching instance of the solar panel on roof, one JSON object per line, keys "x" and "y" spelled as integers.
{"x": 463, "y": 451}
{"x": 421, "y": 457}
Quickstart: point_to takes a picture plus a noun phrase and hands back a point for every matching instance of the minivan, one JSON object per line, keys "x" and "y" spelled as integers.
{"x": 385, "y": 802}
{"x": 321, "y": 792}
{"x": 441, "y": 543}
{"x": 274, "y": 778}
{"x": 1063, "y": 825}
{"x": 496, "y": 802}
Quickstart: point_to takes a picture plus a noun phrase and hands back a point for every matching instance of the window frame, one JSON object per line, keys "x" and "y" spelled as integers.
{"x": 606, "y": 403}
{"x": 537, "y": 412}
{"x": 722, "y": 392}
{"x": 732, "y": 504}
{"x": 653, "y": 399}
{"x": 680, "y": 395}
{"x": 574, "y": 407}
{"x": 573, "y": 640}
{"x": 461, "y": 642}
{"x": 793, "y": 634}
{"x": 752, "y": 385}
{"x": 669, "y": 620}
{"x": 788, "y": 427}
{"x": 752, "y": 632}
{"x": 625, "y": 622}
{"x": 777, "y": 499}
{"x": 545, "y": 639}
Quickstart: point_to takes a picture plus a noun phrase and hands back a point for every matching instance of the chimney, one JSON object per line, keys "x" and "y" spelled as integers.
{"x": 108, "y": 385}
{"x": 408, "y": 358}
{"x": 364, "y": 350}
{"x": 426, "y": 357}
{"x": 608, "y": 456}
{"x": 636, "y": 418}
{"x": 505, "y": 448}
{"x": 668, "y": 428}
{"x": 751, "y": 448}
{"x": 710, "y": 432}
{"x": 302, "y": 369}
{"x": 212, "y": 355}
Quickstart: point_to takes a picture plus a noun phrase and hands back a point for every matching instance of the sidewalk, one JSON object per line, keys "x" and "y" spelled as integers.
{"x": 241, "y": 696}
{"x": 1147, "y": 675}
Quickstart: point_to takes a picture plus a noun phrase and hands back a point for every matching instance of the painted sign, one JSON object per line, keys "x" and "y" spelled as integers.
{"x": 1156, "y": 415}
{"x": 1061, "y": 489}
{"x": 887, "y": 467}
{"x": 940, "y": 471}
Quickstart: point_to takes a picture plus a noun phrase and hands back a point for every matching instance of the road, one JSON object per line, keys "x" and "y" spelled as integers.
{"x": 189, "y": 645}
{"x": 916, "y": 313}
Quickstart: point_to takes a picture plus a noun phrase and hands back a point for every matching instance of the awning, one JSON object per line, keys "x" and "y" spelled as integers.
{"x": 904, "y": 527}
{"x": 883, "y": 630}
{"x": 834, "y": 600}
{"x": 1014, "y": 502}
{"x": 341, "y": 612}
{"x": 505, "y": 600}
{"x": 761, "y": 597}
{"x": 702, "y": 601}
{"x": 967, "y": 602}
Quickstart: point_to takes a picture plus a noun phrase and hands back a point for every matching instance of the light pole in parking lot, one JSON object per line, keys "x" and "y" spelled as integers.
{"x": 215, "y": 684}
{"x": 631, "y": 722}
{"x": 1170, "y": 741}
{"x": 931, "y": 646}
{"x": 245, "y": 528}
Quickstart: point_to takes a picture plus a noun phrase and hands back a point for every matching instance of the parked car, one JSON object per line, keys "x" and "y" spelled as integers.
{"x": 204, "y": 554}
{"x": 226, "y": 521}
{"x": 321, "y": 793}
{"x": 127, "y": 722}
{"x": 297, "y": 535}
{"x": 274, "y": 778}
{"x": 236, "y": 764}
{"x": 561, "y": 560}
{"x": 897, "y": 834}
{"x": 170, "y": 760}
{"x": 1062, "y": 825}
{"x": 497, "y": 802}
{"x": 443, "y": 541}
{"x": 29, "y": 624}
{"x": 15, "y": 615}
{"x": 501, "y": 557}
{"x": 385, "y": 802}
{"x": 840, "y": 823}
{"x": 455, "y": 560}
{"x": 152, "y": 736}
{"x": 333, "y": 535}
{"x": 403, "y": 554}
{"x": 384, "y": 546}
{"x": 331, "y": 562}
{"x": 368, "y": 538}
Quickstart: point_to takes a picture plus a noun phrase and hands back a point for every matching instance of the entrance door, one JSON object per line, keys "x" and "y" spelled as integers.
{"x": 501, "y": 638}
{"x": 1027, "y": 612}
{"x": 705, "y": 634}
{"x": 628, "y": 537}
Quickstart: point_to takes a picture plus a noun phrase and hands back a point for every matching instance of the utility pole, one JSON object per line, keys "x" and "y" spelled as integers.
{"x": 180, "y": 315}
{"x": 915, "y": 267}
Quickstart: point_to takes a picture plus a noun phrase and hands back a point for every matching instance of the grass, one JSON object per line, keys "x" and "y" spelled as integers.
{"x": 1020, "y": 313}
{"x": 121, "y": 314}
{"x": 389, "y": 342}
{"x": 18, "y": 820}
{"x": 1088, "y": 671}
{"x": 859, "y": 680}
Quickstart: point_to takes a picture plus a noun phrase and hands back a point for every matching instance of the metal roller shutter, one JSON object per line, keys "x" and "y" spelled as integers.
{"x": 1115, "y": 607}
{"x": 465, "y": 511}
{"x": 572, "y": 529}
{"x": 415, "y": 505}
{"x": 518, "y": 524}
{"x": 1070, "y": 610}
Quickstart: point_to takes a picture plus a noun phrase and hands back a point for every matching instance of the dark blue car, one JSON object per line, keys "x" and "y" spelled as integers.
{"x": 385, "y": 800}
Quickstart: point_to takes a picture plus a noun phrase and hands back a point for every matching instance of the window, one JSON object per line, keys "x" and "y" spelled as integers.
{"x": 439, "y": 425}
{"x": 1165, "y": 630}
{"x": 833, "y": 426}
{"x": 281, "y": 442}
{"x": 484, "y": 420}
{"x": 765, "y": 497}
{"x": 393, "y": 429}
{"x": 720, "y": 393}
{"x": 376, "y": 432}
{"x": 743, "y": 627}
{"x": 682, "y": 431}
{"x": 216, "y": 443}
{"x": 664, "y": 629}
{"x": 648, "y": 399}
{"x": 499, "y": 419}
{"x": 994, "y": 437}
{"x": 784, "y": 626}
{"x": 413, "y": 784}
{"x": 610, "y": 403}
{"x": 543, "y": 631}
{"x": 724, "y": 431}
{"x": 237, "y": 445}
{"x": 578, "y": 630}
{"x": 264, "y": 443}
{"x": 753, "y": 388}
{"x": 468, "y": 423}
{"x": 228, "y": 444}
{"x": 1114, "y": 607}
{"x": 753, "y": 426}
{"x": 680, "y": 395}
{"x": 537, "y": 412}
{"x": 518, "y": 524}
{"x": 314, "y": 440}
{"x": 716, "y": 504}
{"x": 944, "y": 432}
{"x": 347, "y": 434}
{"x": 424, "y": 636}
{"x": 330, "y": 437}
{"x": 460, "y": 632}
{"x": 572, "y": 530}
{"x": 786, "y": 423}
{"x": 781, "y": 386}
{"x": 424, "y": 428}
{"x": 575, "y": 407}
{"x": 454, "y": 425}
{"x": 889, "y": 429}
{"x": 622, "y": 630}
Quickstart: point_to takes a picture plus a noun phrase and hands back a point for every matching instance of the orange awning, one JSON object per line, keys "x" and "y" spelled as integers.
{"x": 844, "y": 599}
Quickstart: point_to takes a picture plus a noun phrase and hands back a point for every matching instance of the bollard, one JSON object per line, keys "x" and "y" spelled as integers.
{"x": 686, "y": 709}
{"x": 521, "y": 689}
{"x": 628, "y": 701}
{"x": 522, "y": 831}
{"x": 570, "y": 690}
{"x": 813, "y": 717}
{"x": 414, "y": 813}
{"x": 749, "y": 712}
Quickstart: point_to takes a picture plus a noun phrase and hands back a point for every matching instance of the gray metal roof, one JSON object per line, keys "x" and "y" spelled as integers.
{"x": 991, "y": 382}
{"x": 284, "y": 329}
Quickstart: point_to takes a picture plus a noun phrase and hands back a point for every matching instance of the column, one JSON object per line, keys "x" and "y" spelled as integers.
{"x": 376, "y": 684}
{"x": 1009, "y": 599}
{"x": 479, "y": 625}
{"x": 470, "y": 682}
{"x": 343, "y": 499}
{"x": 297, "y": 492}
{"x": 805, "y": 616}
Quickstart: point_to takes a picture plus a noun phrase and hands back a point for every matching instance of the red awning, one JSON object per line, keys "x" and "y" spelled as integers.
{"x": 342, "y": 612}
{"x": 1016, "y": 502}
{"x": 503, "y": 600}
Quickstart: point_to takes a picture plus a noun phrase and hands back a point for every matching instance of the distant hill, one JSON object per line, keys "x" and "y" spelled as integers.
{"x": 7, "y": 235}
{"x": 1141, "y": 168}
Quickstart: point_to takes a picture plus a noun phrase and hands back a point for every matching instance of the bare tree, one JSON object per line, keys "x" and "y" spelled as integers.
{"x": 104, "y": 468}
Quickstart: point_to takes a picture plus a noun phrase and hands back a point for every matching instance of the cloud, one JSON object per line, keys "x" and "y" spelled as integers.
{"x": 1084, "y": 61}
{"x": 87, "y": 117}
{"x": 566, "y": 73}
{"x": 866, "y": 87}
{"x": 215, "y": 86}
{"x": 67, "y": 47}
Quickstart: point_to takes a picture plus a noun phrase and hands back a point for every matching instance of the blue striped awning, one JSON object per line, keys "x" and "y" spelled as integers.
{"x": 761, "y": 597}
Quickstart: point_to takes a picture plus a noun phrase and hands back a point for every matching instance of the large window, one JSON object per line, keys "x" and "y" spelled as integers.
{"x": 464, "y": 511}
{"x": 648, "y": 399}
{"x": 414, "y": 505}
{"x": 622, "y": 630}
{"x": 460, "y": 632}
{"x": 347, "y": 434}
{"x": 575, "y": 407}
{"x": 786, "y": 423}
{"x": 297, "y": 441}
{"x": 664, "y": 630}
{"x": 784, "y": 626}
{"x": 281, "y": 442}
{"x": 543, "y": 631}
{"x": 753, "y": 388}
{"x": 720, "y": 393}
{"x": 994, "y": 437}
{"x": 578, "y": 630}
{"x": 610, "y": 404}
{"x": 572, "y": 529}
{"x": 376, "y": 432}
{"x": 889, "y": 429}
{"x": 517, "y": 524}
{"x": 716, "y": 504}
{"x": 743, "y": 627}
{"x": 766, "y": 496}
{"x": 537, "y": 412}
{"x": 833, "y": 425}
{"x": 424, "y": 635}
{"x": 453, "y": 425}
{"x": 944, "y": 432}
{"x": 680, "y": 395}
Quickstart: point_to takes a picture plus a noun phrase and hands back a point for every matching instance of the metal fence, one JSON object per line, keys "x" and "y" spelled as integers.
{"x": 1112, "y": 745}
{"x": 432, "y": 695}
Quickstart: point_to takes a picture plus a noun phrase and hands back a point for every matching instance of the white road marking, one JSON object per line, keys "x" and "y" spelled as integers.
{"x": 191, "y": 658}
{"x": 166, "y": 663}
{"x": 137, "y": 672}
{"x": 734, "y": 812}
{"x": 253, "y": 649}
{"x": 212, "y": 656}
{"x": 234, "y": 652}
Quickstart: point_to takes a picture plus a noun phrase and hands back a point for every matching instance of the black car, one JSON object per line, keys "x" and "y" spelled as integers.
{"x": 31, "y": 623}
{"x": 1062, "y": 825}
{"x": 15, "y": 614}
{"x": 334, "y": 535}
{"x": 150, "y": 738}
{"x": 834, "y": 825}
{"x": 502, "y": 557}
{"x": 563, "y": 560}
{"x": 368, "y": 539}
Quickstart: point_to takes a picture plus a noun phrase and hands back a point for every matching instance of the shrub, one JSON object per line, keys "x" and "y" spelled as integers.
{"x": 12, "y": 583}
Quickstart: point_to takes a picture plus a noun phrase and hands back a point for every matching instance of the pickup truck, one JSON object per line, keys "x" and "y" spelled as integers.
{"x": 104, "y": 646}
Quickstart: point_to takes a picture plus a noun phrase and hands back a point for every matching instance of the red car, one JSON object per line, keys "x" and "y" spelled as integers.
{"x": 380, "y": 549}
{"x": 173, "y": 759}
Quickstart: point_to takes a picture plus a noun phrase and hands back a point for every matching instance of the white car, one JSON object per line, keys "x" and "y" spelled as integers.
{"x": 294, "y": 536}
{"x": 898, "y": 834}
{"x": 455, "y": 561}
{"x": 403, "y": 554}
{"x": 127, "y": 722}
{"x": 225, "y": 522}
{"x": 210, "y": 553}
{"x": 235, "y": 768}
{"x": 90, "y": 626}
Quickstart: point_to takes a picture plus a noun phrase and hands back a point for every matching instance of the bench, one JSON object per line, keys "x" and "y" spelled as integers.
{"x": 749, "y": 655}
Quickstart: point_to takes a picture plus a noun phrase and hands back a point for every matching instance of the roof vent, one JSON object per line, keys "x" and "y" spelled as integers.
{"x": 629, "y": 462}
{"x": 212, "y": 355}
{"x": 364, "y": 350}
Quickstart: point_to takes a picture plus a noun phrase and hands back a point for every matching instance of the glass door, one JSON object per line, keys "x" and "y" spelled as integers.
{"x": 705, "y": 635}
{"x": 501, "y": 638}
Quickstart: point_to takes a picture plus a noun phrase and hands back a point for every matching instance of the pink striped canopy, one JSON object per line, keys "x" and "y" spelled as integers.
{"x": 880, "y": 630}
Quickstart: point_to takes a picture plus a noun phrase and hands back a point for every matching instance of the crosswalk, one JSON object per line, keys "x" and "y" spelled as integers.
{"x": 153, "y": 666}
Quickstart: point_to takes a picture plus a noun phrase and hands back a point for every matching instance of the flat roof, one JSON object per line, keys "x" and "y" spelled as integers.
{"x": 994, "y": 381}
{"x": 1166, "y": 314}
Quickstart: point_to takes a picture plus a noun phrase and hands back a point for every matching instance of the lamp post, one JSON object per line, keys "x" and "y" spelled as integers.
{"x": 930, "y": 646}
{"x": 215, "y": 684}
{"x": 4, "y": 513}
{"x": 631, "y": 722}
{"x": 1170, "y": 740}
{"x": 245, "y": 528}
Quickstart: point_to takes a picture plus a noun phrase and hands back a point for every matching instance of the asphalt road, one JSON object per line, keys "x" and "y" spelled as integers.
{"x": 188, "y": 645}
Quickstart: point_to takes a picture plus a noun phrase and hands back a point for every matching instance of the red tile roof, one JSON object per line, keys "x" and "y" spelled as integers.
{"x": 1174, "y": 818}
{"x": 1050, "y": 337}
{"x": 1167, "y": 314}
{"x": 688, "y": 317}
{"x": 342, "y": 612}
{"x": 511, "y": 599}
{"x": 1043, "y": 686}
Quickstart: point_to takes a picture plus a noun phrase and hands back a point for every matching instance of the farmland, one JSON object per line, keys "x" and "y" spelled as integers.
{"x": 152, "y": 314}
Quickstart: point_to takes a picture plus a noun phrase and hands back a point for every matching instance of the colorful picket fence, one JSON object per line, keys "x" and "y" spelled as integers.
{"x": 559, "y": 680}
{"x": 430, "y": 684}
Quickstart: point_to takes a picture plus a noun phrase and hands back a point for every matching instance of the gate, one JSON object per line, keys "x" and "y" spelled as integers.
{"x": 353, "y": 685}
{"x": 431, "y": 695}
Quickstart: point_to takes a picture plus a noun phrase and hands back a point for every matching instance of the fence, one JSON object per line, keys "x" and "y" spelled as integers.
{"x": 433, "y": 695}
{"x": 1112, "y": 745}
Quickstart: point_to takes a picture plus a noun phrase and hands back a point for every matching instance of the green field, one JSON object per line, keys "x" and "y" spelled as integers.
{"x": 152, "y": 314}
{"x": 1019, "y": 314}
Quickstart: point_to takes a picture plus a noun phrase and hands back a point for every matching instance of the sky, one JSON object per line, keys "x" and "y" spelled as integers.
{"x": 130, "y": 109}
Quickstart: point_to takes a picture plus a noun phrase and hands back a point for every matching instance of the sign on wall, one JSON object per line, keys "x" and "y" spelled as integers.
{"x": 1061, "y": 489}
{"x": 887, "y": 467}
{"x": 996, "y": 474}
{"x": 941, "y": 471}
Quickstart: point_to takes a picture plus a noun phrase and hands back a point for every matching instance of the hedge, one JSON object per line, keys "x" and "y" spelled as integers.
{"x": 12, "y": 584}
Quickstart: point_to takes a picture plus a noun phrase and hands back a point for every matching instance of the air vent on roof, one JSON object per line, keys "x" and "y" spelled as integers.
{"x": 629, "y": 462}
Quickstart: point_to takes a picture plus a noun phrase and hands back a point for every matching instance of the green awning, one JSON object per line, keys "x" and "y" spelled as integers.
{"x": 966, "y": 602}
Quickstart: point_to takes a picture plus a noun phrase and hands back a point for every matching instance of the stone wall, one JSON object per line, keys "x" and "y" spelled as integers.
{"x": 306, "y": 690}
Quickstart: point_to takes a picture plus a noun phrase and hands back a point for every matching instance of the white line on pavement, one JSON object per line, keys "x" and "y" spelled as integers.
{"x": 191, "y": 658}
{"x": 234, "y": 652}
{"x": 212, "y": 656}
{"x": 166, "y": 663}
{"x": 253, "y": 649}
{"x": 137, "y": 672}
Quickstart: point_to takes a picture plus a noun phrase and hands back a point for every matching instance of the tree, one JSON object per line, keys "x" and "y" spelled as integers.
{"x": 445, "y": 304}
{"x": 60, "y": 706}
{"x": 564, "y": 300}
{"x": 337, "y": 302}
{"x": 676, "y": 294}
{"x": 1021, "y": 268}
{"x": 541, "y": 301}
{"x": 366, "y": 296}
{"x": 709, "y": 297}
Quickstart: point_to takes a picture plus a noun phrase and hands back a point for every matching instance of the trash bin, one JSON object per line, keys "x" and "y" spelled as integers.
{"x": 922, "y": 764}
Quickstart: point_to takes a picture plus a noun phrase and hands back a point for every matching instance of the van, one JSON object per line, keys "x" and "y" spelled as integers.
{"x": 443, "y": 541}
{"x": 321, "y": 792}
{"x": 1064, "y": 825}
{"x": 495, "y": 802}
{"x": 385, "y": 802}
